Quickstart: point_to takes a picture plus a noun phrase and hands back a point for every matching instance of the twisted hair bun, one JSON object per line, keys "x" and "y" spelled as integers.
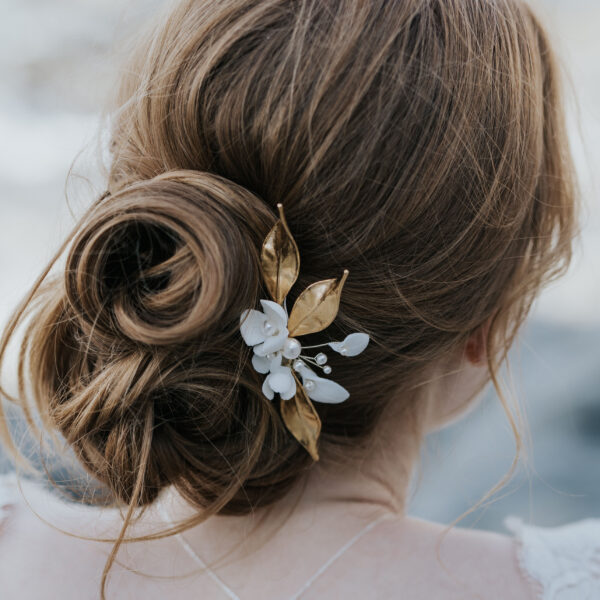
{"x": 151, "y": 378}
{"x": 162, "y": 261}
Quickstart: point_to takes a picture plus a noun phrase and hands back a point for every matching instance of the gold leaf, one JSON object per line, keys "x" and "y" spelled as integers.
{"x": 316, "y": 307}
{"x": 280, "y": 260}
{"x": 302, "y": 420}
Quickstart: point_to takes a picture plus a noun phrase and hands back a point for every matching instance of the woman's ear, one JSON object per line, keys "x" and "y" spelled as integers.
{"x": 476, "y": 346}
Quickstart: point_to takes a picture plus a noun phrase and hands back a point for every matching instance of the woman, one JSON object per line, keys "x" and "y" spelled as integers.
{"x": 257, "y": 148}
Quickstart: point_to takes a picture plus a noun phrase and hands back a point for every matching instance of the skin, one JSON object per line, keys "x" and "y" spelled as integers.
{"x": 271, "y": 553}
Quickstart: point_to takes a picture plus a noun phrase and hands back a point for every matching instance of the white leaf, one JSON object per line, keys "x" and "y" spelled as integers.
{"x": 324, "y": 390}
{"x": 327, "y": 391}
{"x": 353, "y": 344}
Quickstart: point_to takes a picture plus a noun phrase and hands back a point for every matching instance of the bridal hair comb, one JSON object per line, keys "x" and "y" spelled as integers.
{"x": 277, "y": 352}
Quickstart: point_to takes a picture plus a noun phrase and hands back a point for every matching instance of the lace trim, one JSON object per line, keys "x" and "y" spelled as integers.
{"x": 515, "y": 525}
{"x": 561, "y": 563}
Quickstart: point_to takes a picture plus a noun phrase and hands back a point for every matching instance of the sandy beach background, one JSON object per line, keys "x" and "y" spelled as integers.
{"x": 57, "y": 65}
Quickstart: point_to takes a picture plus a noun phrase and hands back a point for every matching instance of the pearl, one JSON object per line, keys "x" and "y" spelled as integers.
{"x": 309, "y": 385}
{"x": 344, "y": 351}
{"x": 327, "y": 369}
{"x": 298, "y": 364}
{"x": 321, "y": 358}
{"x": 292, "y": 348}
{"x": 269, "y": 329}
{"x": 271, "y": 355}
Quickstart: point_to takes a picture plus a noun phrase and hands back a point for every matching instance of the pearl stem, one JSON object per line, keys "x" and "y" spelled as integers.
{"x": 312, "y": 361}
{"x": 316, "y": 346}
{"x": 309, "y": 359}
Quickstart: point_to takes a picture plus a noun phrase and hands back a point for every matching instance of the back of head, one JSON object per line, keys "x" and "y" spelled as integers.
{"x": 420, "y": 144}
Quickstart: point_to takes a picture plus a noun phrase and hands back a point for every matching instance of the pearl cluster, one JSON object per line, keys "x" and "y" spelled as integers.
{"x": 319, "y": 360}
{"x": 292, "y": 349}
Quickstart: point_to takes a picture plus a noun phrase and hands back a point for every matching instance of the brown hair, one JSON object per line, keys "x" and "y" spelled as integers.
{"x": 420, "y": 144}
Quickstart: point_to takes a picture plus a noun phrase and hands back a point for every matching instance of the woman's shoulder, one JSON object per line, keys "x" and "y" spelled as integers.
{"x": 33, "y": 523}
{"x": 452, "y": 562}
{"x": 541, "y": 563}
{"x": 562, "y": 562}
{"x": 22, "y": 497}
{"x": 547, "y": 563}
{"x": 555, "y": 563}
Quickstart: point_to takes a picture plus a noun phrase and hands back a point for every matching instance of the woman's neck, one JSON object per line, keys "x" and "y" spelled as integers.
{"x": 378, "y": 479}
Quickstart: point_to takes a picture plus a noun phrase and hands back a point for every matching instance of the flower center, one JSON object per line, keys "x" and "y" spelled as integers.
{"x": 292, "y": 348}
{"x": 269, "y": 329}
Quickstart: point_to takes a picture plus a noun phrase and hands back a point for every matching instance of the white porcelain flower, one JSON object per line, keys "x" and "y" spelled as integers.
{"x": 318, "y": 388}
{"x": 265, "y": 331}
{"x": 280, "y": 379}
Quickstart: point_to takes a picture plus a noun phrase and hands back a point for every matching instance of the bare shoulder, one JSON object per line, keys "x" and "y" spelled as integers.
{"x": 66, "y": 546}
{"x": 36, "y": 536}
{"x": 426, "y": 560}
{"x": 466, "y": 563}
{"x": 41, "y": 534}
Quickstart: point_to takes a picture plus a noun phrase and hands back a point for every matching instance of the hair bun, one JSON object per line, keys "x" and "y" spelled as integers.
{"x": 139, "y": 357}
{"x": 159, "y": 262}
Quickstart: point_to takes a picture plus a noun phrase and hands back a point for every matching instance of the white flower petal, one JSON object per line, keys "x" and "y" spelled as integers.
{"x": 276, "y": 362}
{"x": 266, "y": 389}
{"x": 281, "y": 380}
{"x": 273, "y": 343}
{"x": 275, "y": 313}
{"x": 251, "y": 326}
{"x": 260, "y": 364}
{"x": 290, "y": 393}
{"x": 354, "y": 344}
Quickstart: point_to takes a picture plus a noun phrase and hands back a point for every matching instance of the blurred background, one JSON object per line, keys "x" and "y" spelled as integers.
{"x": 57, "y": 65}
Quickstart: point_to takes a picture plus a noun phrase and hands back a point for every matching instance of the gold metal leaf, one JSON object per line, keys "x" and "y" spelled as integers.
{"x": 316, "y": 307}
{"x": 302, "y": 420}
{"x": 280, "y": 260}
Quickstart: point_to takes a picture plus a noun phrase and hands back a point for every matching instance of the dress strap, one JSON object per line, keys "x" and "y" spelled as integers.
{"x": 339, "y": 553}
{"x": 230, "y": 593}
